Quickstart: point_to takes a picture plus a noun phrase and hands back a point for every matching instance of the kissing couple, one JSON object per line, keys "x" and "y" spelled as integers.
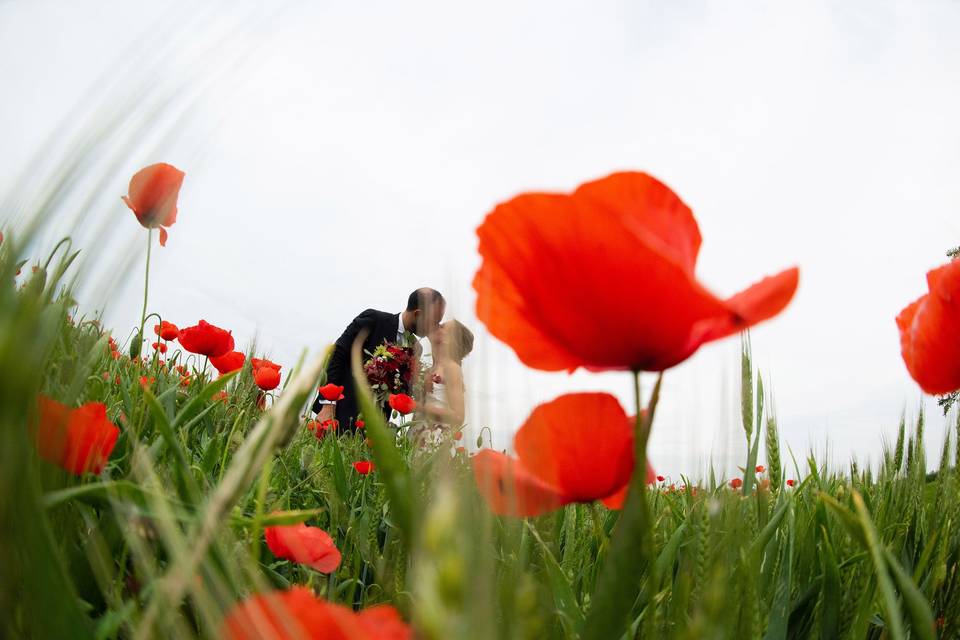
{"x": 391, "y": 360}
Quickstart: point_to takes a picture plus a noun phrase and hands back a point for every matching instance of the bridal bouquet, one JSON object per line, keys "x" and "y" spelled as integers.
{"x": 389, "y": 369}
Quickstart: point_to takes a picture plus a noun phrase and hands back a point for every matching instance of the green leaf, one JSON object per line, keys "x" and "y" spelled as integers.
{"x": 921, "y": 618}
{"x": 571, "y": 616}
{"x": 831, "y": 595}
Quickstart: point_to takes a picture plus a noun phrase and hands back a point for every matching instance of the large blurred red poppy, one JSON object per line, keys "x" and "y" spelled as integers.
{"x": 166, "y": 330}
{"x": 266, "y": 374}
{"x": 152, "y": 196}
{"x": 206, "y": 340}
{"x": 230, "y": 361}
{"x": 604, "y": 278}
{"x": 78, "y": 440}
{"x": 930, "y": 332}
{"x": 576, "y": 448}
{"x": 297, "y": 613}
{"x": 311, "y": 546}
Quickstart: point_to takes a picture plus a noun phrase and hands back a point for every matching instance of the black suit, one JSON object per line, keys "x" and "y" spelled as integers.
{"x": 379, "y": 327}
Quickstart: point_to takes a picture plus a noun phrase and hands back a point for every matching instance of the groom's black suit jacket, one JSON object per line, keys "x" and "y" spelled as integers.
{"x": 379, "y": 326}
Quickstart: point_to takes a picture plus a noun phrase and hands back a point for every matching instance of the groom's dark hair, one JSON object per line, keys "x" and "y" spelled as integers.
{"x": 423, "y": 298}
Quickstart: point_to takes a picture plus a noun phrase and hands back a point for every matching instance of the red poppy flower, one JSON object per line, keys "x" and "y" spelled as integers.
{"x": 185, "y": 381}
{"x": 78, "y": 440}
{"x": 576, "y": 448}
{"x": 230, "y": 361}
{"x": 402, "y": 403}
{"x": 311, "y": 546}
{"x": 458, "y": 436}
{"x": 331, "y": 392}
{"x": 736, "y": 483}
{"x": 206, "y": 340}
{"x": 166, "y": 330}
{"x": 147, "y": 382}
{"x": 363, "y": 467}
{"x": 266, "y": 378}
{"x": 928, "y": 332}
{"x": 152, "y": 196}
{"x": 790, "y": 483}
{"x": 321, "y": 429}
{"x": 221, "y": 396}
{"x": 660, "y": 478}
{"x": 297, "y": 613}
{"x": 160, "y": 346}
{"x": 760, "y": 468}
{"x": 604, "y": 279}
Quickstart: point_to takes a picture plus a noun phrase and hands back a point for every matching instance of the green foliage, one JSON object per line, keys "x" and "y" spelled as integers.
{"x": 170, "y": 535}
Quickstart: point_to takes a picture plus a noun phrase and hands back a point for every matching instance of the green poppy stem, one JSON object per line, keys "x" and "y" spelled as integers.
{"x": 146, "y": 282}
{"x": 627, "y": 569}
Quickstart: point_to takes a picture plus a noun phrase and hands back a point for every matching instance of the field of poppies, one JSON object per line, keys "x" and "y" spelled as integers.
{"x": 164, "y": 483}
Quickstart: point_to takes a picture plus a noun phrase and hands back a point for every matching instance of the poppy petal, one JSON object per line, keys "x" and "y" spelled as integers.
{"x": 311, "y": 546}
{"x": 604, "y": 279}
{"x": 383, "y": 622}
{"x": 163, "y": 237}
{"x": 152, "y": 195}
{"x": 617, "y": 500}
{"x": 510, "y": 489}
{"x": 643, "y": 201}
{"x": 501, "y": 306}
{"x": 759, "y": 302}
{"x": 581, "y": 443}
{"x": 589, "y": 286}
{"x": 929, "y": 329}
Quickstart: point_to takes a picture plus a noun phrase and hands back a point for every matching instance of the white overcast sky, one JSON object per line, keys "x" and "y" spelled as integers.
{"x": 340, "y": 154}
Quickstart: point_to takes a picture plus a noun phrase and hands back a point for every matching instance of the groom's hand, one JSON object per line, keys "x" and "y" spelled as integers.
{"x": 326, "y": 413}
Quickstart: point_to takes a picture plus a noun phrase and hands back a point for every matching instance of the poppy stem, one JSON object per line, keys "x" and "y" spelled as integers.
{"x": 628, "y": 570}
{"x": 146, "y": 282}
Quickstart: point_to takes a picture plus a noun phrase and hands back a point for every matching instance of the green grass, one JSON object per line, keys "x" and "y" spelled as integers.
{"x": 170, "y": 535}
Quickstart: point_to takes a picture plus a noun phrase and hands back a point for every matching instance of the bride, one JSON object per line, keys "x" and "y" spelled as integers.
{"x": 443, "y": 410}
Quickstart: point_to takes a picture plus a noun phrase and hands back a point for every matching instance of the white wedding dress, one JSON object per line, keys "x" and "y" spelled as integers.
{"x": 429, "y": 436}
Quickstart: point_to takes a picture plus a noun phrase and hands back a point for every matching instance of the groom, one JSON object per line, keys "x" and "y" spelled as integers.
{"x": 425, "y": 308}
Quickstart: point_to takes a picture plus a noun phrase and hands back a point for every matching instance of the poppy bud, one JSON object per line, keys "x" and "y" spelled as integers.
{"x": 135, "y": 345}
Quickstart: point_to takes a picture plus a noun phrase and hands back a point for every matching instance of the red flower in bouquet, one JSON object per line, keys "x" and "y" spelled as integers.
{"x": 311, "y": 546}
{"x": 576, "y": 448}
{"x": 78, "y": 440}
{"x": 363, "y": 467}
{"x": 152, "y": 196}
{"x": 166, "y": 330}
{"x": 736, "y": 483}
{"x": 604, "y": 279}
{"x": 359, "y": 424}
{"x": 228, "y": 362}
{"x": 331, "y": 392}
{"x": 402, "y": 403}
{"x": 206, "y": 339}
{"x": 929, "y": 328}
{"x": 297, "y": 613}
{"x": 266, "y": 374}
{"x": 390, "y": 368}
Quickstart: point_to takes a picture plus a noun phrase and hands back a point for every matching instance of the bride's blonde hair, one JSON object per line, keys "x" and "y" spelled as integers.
{"x": 459, "y": 340}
